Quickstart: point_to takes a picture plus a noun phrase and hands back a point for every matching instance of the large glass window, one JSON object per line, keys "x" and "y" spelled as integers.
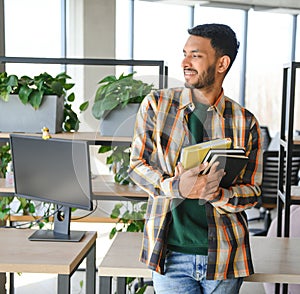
{"x": 235, "y": 19}
{"x": 160, "y": 31}
{"x": 269, "y": 48}
{"x": 33, "y": 28}
{"x": 123, "y": 29}
{"x": 297, "y": 99}
{"x": 297, "y": 50}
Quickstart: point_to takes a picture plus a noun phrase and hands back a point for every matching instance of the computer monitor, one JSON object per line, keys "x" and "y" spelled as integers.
{"x": 54, "y": 171}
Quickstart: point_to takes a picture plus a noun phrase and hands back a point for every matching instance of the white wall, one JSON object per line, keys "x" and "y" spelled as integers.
{"x": 90, "y": 34}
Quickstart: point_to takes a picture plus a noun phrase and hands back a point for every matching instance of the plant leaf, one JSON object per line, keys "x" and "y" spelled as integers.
{"x": 57, "y": 88}
{"x": 112, "y": 233}
{"x": 24, "y": 93}
{"x": 84, "y": 106}
{"x": 71, "y": 97}
{"x": 108, "y": 79}
{"x": 12, "y": 81}
{"x": 104, "y": 149}
{"x": 35, "y": 98}
{"x": 69, "y": 86}
{"x": 96, "y": 110}
{"x": 109, "y": 104}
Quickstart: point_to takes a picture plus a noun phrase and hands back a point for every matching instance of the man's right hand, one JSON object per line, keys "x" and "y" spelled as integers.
{"x": 193, "y": 185}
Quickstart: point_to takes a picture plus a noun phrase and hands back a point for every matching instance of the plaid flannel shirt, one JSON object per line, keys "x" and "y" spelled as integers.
{"x": 161, "y": 131}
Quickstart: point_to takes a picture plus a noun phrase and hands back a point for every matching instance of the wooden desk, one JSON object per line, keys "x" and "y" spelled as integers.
{"x": 103, "y": 188}
{"x": 297, "y": 140}
{"x": 93, "y": 137}
{"x": 276, "y": 260}
{"x": 121, "y": 261}
{"x": 18, "y": 254}
{"x": 295, "y": 192}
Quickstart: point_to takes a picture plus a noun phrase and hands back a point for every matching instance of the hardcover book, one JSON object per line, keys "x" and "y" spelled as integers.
{"x": 193, "y": 155}
{"x": 212, "y": 152}
{"x": 232, "y": 164}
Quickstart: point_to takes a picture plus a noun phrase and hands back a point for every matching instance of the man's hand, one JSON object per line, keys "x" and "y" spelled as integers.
{"x": 193, "y": 185}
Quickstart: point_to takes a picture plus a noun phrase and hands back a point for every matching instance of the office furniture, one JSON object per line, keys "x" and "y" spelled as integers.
{"x": 287, "y": 145}
{"x": 163, "y": 69}
{"x": 294, "y": 233}
{"x": 266, "y": 140}
{"x": 265, "y": 136}
{"x": 93, "y": 137}
{"x": 274, "y": 259}
{"x": 121, "y": 261}
{"x": 19, "y": 255}
{"x": 106, "y": 191}
{"x": 103, "y": 188}
{"x": 269, "y": 187}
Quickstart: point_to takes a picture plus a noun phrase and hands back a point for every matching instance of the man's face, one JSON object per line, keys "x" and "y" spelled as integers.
{"x": 199, "y": 63}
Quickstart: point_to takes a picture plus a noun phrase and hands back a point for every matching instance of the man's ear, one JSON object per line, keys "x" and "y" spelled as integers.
{"x": 223, "y": 63}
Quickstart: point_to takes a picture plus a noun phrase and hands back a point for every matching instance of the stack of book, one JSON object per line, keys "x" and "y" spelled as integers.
{"x": 232, "y": 160}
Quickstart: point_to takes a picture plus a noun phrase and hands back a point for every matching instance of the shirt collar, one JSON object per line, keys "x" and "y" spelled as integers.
{"x": 186, "y": 99}
{"x": 219, "y": 105}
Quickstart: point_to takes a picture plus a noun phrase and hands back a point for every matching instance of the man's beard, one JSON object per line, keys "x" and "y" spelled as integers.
{"x": 206, "y": 79}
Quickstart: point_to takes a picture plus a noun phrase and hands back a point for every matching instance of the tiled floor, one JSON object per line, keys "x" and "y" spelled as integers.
{"x": 46, "y": 283}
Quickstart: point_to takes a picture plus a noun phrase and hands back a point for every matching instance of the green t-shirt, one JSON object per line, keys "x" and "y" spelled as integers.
{"x": 188, "y": 229}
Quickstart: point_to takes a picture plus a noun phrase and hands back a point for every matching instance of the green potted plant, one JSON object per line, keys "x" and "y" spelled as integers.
{"x": 37, "y": 102}
{"x": 5, "y": 202}
{"x": 33, "y": 93}
{"x": 116, "y": 103}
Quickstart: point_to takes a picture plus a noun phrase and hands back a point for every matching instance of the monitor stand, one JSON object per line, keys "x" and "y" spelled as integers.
{"x": 61, "y": 231}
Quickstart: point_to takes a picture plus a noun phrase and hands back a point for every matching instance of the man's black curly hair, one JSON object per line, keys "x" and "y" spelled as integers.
{"x": 222, "y": 39}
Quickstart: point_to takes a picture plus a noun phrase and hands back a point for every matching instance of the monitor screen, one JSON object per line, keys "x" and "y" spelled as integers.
{"x": 54, "y": 171}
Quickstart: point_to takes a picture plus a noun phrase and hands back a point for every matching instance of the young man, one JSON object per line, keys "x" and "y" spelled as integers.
{"x": 196, "y": 237}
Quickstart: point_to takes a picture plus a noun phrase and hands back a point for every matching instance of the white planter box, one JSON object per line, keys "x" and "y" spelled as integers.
{"x": 17, "y": 117}
{"x": 120, "y": 122}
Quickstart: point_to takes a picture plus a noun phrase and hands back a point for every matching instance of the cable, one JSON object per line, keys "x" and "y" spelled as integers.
{"x": 37, "y": 221}
{"x": 88, "y": 214}
{"x": 31, "y": 223}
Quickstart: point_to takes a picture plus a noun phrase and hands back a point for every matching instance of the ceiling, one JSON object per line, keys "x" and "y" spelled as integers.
{"x": 281, "y": 6}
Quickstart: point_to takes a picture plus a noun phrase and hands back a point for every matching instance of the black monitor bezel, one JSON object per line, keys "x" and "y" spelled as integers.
{"x": 88, "y": 207}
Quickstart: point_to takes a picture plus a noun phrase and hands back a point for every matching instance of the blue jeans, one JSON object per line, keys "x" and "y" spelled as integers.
{"x": 185, "y": 274}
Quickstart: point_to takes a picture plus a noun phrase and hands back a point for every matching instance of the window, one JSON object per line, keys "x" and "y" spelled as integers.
{"x": 160, "y": 31}
{"x": 269, "y": 48}
{"x": 235, "y": 19}
{"x": 33, "y": 28}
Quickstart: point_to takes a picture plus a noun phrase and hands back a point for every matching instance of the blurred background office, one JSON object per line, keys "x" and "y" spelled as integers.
{"x": 145, "y": 30}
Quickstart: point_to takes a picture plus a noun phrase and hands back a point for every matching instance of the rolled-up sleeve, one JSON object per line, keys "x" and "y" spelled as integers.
{"x": 244, "y": 194}
{"x": 147, "y": 164}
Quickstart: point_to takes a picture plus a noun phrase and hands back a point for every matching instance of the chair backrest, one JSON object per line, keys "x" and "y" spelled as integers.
{"x": 266, "y": 136}
{"x": 271, "y": 174}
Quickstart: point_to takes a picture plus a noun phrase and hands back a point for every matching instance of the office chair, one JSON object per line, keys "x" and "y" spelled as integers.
{"x": 266, "y": 137}
{"x": 269, "y": 187}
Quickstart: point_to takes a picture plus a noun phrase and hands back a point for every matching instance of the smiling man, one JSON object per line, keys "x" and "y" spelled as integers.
{"x": 196, "y": 238}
